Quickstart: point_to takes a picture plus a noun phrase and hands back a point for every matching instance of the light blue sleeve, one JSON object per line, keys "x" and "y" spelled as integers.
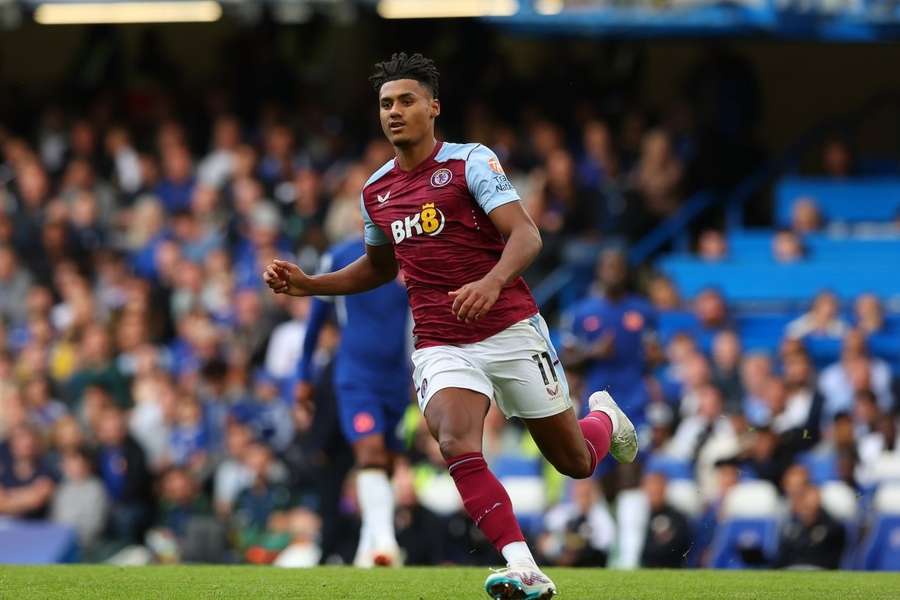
{"x": 374, "y": 236}
{"x": 487, "y": 182}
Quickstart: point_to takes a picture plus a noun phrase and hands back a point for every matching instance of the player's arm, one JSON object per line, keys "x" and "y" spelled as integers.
{"x": 494, "y": 193}
{"x": 318, "y": 316}
{"x": 375, "y": 268}
{"x": 523, "y": 244}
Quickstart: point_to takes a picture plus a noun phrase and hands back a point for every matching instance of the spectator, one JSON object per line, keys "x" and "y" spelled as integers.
{"x": 304, "y": 527}
{"x": 600, "y": 163}
{"x": 580, "y": 532}
{"x": 181, "y": 503}
{"x": 787, "y": 247}
{"x": 123, "y": 469}
{"x": 411, "y": 519}
{"x": 823, "y": 320}
{"x": 869, "y": 315}
{"x": 261, "y": 500}
{"x": 97, "y": 368}
{"x": 712, "y": 246}
{"x": 232, "y": 475}
{"x": 726, "y": 358}
{"x": 26, "y": 484}
{"x": 658, "y": 176}
{"x": 176, "y": 187}
{"x": 218, "y": 166}
{"x": 663, "y": 294}
{"x": 712, "y": 316}
{"x": 837, "y": 160}
{"x": 811, "y": 538}
{"x": 694, "y": 430}
{"x": 43, "y": 410}
{"x": 127, "y": 171}
{"x": 805, "y": 216}
{"x": 607, "y": 336}
{"x": 668, "y": 538}
{"x": 857, "y": 370}
{"x": 14, "y": 285}
{"x": 80, "y": 500}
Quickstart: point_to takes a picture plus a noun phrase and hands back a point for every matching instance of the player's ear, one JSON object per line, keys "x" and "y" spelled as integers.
{"x": 435, "y": 108}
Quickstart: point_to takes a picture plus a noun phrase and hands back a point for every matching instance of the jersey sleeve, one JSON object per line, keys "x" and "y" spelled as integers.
{"x": 374, "y": 235}
{"x": 487, "y": 182}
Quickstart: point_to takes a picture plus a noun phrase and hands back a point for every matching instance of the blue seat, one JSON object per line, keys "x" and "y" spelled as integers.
{"x": 881, "y": 551}
{"x": 789, "y": 285}
{"x": 738, "y": 535}
{"x": 670, "y": 467}
{"x": 865, "y": 199}
{"x": 756, "y": 246}
{"x": 511, "y": 465}
{"x": 672, "y": 322}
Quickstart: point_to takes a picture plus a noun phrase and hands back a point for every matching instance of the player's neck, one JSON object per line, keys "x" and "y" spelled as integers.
{"x": 410, "y": 157}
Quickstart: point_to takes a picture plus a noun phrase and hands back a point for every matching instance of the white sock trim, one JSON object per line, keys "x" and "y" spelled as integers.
{"x": 517, "y": 554}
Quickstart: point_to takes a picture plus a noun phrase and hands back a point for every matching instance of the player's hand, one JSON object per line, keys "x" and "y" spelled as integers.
{"x": 473, "y": 300}
{"x": 287, "y": 278}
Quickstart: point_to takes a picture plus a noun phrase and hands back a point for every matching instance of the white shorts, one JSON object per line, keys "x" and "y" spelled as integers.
{"x": 517, "y": 367}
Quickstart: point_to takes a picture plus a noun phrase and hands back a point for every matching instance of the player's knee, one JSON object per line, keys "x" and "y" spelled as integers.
{"x": 370, "y": 455}
{"x": 454, "y": 446}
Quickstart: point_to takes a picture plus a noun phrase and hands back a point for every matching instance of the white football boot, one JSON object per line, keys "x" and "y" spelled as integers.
{"x": 519, "y": 583}
{"x": 624, "y": 443}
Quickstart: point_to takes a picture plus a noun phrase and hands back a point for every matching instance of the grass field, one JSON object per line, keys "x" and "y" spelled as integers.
{"x": 258, "y": 583}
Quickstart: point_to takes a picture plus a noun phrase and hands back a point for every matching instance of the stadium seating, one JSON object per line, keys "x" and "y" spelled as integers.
{"x": 784, "y": 285}
{"x": 840, "y": 501}
{"x": 871, "y": 199}
{"x": 672, "y": 468}
{"x": 881, "y": 551}
{"x": 36, "y": 542}
{"x": 748, "y": 536}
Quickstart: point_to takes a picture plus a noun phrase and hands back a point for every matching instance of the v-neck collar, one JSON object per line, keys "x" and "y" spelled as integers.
{"x": 421, "y": 165}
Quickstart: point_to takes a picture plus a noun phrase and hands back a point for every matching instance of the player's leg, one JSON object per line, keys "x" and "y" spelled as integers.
{"x": 455, "y": 417}
{"x": 374, "y": 462}
{"x": 363, "y": 425}
{"x": 454, "y": 396}
{"x": 525, "y": 368}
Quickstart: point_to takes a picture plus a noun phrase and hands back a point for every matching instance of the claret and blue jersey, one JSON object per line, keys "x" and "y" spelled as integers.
{"x": 436, "y": 216}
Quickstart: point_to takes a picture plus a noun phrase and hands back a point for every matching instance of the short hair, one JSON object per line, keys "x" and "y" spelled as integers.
{"x": 401, "y": 66}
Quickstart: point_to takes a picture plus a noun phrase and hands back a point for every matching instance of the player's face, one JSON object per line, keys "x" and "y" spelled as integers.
{"x": 407, "y": 112}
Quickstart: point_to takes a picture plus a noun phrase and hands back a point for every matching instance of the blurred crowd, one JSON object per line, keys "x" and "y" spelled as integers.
{"x": 147, "y": 376}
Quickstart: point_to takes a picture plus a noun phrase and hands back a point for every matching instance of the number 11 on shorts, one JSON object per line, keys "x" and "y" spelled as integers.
{"x": 546, "y": 356}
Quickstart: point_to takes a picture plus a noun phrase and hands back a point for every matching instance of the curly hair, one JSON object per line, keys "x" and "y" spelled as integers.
{"x": 401, "y": 66}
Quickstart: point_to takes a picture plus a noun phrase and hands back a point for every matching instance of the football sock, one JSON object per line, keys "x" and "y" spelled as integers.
{"x": 517, "y": 554}
{"x": 376, "y": 505}
{"x": 485, "y": 499}
{"x": 597, "y": 429}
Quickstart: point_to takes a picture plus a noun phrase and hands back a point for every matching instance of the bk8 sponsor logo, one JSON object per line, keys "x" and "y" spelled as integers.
{"x": 428, "y": 221}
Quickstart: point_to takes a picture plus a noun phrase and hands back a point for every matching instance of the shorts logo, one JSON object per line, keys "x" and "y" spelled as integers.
{"x": 633, "y": 320}
{"x": 494, "y": 164}
{"x": 552, "y": 391}
{"x": 424, "y": 389}
{"x": 363, "y": 422}
{"x": 430, "y": 221}
{"x": 441, "y": 177}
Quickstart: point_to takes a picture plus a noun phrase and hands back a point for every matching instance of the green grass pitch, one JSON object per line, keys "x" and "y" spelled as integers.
{"x": 263, "y": 583}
